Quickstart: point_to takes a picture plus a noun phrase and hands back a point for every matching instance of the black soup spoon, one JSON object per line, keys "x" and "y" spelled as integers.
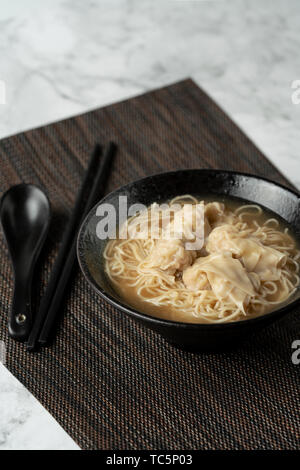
{"x": 25, "y": 217}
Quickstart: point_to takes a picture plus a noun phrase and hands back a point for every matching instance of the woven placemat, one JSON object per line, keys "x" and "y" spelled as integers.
{"x": 108, "y": 381}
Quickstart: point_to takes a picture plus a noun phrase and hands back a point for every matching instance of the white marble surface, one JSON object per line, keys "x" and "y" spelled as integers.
{"x": 24, "y": 423}
{"x": 59, "y": 58}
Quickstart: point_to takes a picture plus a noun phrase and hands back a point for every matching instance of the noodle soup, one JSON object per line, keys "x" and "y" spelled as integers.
{"x": 247, "y": 264}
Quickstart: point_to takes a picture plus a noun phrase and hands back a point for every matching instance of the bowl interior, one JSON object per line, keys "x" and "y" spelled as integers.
{"x": 160, "y": 188}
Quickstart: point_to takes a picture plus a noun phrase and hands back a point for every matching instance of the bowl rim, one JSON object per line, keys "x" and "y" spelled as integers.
{"x": 132, "y": 311}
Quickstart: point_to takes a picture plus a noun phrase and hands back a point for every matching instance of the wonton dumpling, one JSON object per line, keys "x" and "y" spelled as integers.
{"x": 257, "y": 258}
{"x": 170, "y": 256}
{"x": 214, "y": 211}
{"x": 195, "y": 279}
{"x": 223, "y": 238}
{"x": 228, "y": 268}
{"x": 269, "y": 263}
{"x": 224, "y": 290}
{"x": 189, "y": 223}
{"x": 227, "y": 238}
{"x": 227, "y": 277}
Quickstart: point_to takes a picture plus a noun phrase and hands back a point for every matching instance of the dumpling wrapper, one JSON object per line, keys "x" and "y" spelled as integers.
{"x": 227, "y": 277}
{"x": 225, "y": 290}
{"x": 214, "y": 211}
{"x": 228, "y": 269}
{"x": 195, "y": 279}
{"x": 169, "y": 256}
{"x": 262, "y": 260}
{"x": 269, "y": 263}
{"x": 189, "y": 225}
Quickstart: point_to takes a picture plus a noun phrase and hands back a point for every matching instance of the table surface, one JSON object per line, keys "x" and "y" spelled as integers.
{"x": 59, "y": 58}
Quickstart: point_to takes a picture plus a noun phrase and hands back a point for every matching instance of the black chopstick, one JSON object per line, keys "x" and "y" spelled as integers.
{"x": 60, "y": 291}
{"x": 65, "y": 247}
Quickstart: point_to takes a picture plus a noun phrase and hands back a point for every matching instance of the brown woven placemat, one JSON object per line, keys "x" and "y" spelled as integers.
{"x": 108, "y": 381}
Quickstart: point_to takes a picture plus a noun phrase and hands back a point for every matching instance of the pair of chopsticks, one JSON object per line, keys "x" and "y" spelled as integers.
{"x": 90, "y": 192}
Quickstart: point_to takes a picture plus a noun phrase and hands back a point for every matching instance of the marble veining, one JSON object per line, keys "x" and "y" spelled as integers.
{"x": 24, "y": 423}
{"x": 63, "y": 57}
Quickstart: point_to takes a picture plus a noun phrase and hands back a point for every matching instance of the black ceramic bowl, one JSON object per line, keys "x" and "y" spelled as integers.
{"x": 162, "y": 187}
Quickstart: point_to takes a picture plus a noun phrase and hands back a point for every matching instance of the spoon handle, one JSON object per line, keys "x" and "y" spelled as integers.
{"x": 19, "y": 322}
